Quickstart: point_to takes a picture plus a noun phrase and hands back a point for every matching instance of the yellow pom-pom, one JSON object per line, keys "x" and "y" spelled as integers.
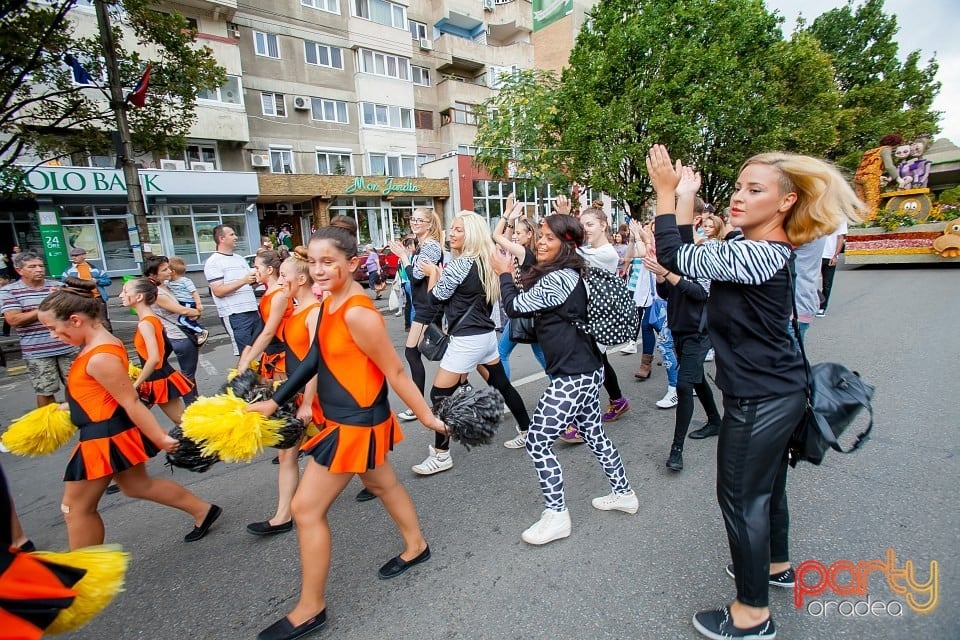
{"x": 231, "y": 374}
{"x": 40, "y": 432}
{"x": 106, "y": 566}
{"x": 222, "y": 426}
{"x": 133, "y": 371}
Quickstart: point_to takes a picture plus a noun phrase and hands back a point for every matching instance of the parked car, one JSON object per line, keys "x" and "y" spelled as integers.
{"x": 258, "y": 289}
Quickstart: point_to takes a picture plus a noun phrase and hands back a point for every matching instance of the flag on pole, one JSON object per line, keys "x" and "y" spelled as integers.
{"x": 138, "y": 97}
{"x": 80, "y": 75}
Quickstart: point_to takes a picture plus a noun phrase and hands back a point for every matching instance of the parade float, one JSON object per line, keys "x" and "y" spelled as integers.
{"x": 912, "y": 192}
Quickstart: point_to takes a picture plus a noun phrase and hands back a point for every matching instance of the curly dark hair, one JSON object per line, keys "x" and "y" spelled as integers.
{"x": 570, "y": 233}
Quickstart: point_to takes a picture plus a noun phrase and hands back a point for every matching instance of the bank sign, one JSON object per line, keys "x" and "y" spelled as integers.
{"x": 81, "y": 181}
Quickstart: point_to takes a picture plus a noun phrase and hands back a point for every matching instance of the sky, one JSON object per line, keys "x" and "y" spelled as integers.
{"x": 928, "y": 25}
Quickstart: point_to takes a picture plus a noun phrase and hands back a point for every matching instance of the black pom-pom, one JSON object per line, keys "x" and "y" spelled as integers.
{"x": 292, "y": 430}
{"x": 241, "y": 385}
{"x": 472, "y": 415}
{"x": 188, "y": 456}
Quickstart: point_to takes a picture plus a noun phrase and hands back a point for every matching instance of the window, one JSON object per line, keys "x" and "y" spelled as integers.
{"x": 324, "y": 56}
{"x": 466, "y": 149}
{"x": 334, "y": 163}
{"x": 421, "y": 76}
{"x": 463, "y": 113}
{"x": 383, "y": 64}
{"x": 423, "y": 158}
{"x": 266, "y": 44}
{"x": 202, "y": 153}
{"x": 330, "y": 6}
{"x": 423, "y": 119}
{"x": 281, "y": 160}
{"x": 381, "y": 12}
{"x": 328, "y": 110}
{"x": 229, "y": 93}
{"x": 396, "y": 166}
{"x": 273, "y": 104}
{"x": 384, "y": 115}
{"x": 418, "y": 30}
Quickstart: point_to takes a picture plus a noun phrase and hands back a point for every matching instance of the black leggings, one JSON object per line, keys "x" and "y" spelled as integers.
{"x": 610, "y": 382}
{"x": 496, "y": 378}
{"x": 685, "y": 408}
{"x": 751, "y": 486}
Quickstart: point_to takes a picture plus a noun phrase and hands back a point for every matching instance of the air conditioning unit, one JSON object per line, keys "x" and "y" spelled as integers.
{"x": 260, "y": 160}
{"x": 488, "y": 5}
{"x": 202, "y": 166}
{"x": 301, "y": 103}
{"x": 284, "y": 209}
{"x": 426, "y": 45}
{"x": 233, "y": 30}
{"x": 173, "y": 165}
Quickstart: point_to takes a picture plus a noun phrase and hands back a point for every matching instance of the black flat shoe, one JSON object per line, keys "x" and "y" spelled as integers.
{"x": 267, "y": 529}
{"x": 398, "y": 565}
{"x": 28, "y": 546}
{"x": 283, "y": 629}
{"x": 199, "y": 532}
{"x": 365, "y": 495}
{"x": 708, "y": 430}
{"x": 112, "y": 489}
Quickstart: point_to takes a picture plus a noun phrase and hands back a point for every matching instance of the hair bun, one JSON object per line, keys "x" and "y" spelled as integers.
{"x": 299, "y": 253}
{"x": 79, "y": 286}
{"x": 344, "y": 222}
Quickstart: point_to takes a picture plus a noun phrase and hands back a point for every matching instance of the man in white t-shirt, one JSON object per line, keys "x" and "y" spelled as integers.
{"x": 230, "y": 279}
{"x": 832, "y": 247}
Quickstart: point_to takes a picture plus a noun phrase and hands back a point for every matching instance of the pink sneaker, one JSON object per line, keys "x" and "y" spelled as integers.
{"x": 615, "y": 409}
{"x": 570, "y": 435}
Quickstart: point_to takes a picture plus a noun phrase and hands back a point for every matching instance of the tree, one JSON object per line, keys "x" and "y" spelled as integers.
{"x": 45, "y": 114}
{"x": 879, "y": 94}
{"x": 517, "y": 133}
{"x": 705, "y": 77}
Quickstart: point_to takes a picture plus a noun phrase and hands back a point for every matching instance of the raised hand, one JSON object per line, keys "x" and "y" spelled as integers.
{"x": 664, "y": 174}
{"x": 562, "y": 205}
{"x": 689, "y": 182}
{"x": 501, "y": 262}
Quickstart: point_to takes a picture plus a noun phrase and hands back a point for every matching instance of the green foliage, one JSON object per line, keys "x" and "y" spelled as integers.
{"x": 517, "y": 130}
{"x": 43, "y": 111}
{"x": 892, "y": 220}
{"x": 950, "y": 196}
{"x": 879, "y": 94}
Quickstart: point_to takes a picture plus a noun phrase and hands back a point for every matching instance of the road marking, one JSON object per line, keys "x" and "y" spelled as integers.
{"x": 208, "y": 367}
{"x": 528, "y": 379}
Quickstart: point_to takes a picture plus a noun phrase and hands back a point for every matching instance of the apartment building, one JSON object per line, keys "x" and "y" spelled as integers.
{"x": 82, "y": 200}
{"x": 347, "y": 100}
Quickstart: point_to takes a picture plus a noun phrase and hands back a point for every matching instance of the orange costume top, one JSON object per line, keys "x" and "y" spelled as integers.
{"x": 272, "y": 360}
{"x": 109, "y": 441}
{"x": 165, "y": 383}
{"x": 359, "y": 427}
{"x": 296, "y": 337}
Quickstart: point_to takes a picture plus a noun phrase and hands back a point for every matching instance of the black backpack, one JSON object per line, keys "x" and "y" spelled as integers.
{"x": 612, "y": 317}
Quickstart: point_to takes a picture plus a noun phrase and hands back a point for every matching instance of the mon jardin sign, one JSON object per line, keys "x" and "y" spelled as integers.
{"x": 363, "y": 185}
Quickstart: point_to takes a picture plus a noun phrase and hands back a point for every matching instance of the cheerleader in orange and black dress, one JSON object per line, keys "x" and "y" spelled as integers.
{"x": 276, "y": 305}
{"x": 298, "y": 333}
{"x": 158, "y": 382}
{"x": 117, "y": 431}
{"x": 350, "y": 363}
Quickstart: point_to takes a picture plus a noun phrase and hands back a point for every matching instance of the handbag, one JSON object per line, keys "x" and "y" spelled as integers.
{"x": 380, "y": 284}
{"x": 835, "y": 396}
{"x": 521, "y": 329}
{"x": 434, "y": 342}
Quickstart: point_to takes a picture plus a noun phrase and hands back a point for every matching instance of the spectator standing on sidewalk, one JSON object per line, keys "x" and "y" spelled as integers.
{"x": 48, "y": 360}
{"x": 832, "y": 247}
{"x": 372, "y": 265}
{"x": 86, "y": 271}
{"x": 230, "y": 279}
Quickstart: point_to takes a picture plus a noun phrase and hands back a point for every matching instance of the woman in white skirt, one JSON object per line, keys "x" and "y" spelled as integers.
{"x": 467, "y": 290}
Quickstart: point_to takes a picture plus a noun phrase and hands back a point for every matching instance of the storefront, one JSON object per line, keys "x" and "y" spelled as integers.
{"x": 89, "y": 207}
{"x": 381, "y": 205}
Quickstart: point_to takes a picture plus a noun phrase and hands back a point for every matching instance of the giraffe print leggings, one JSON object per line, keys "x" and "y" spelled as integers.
{"x": 571, "y": 400}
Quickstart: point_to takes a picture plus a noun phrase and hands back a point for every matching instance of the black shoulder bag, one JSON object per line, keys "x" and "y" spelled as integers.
{"x": 521, "y": 329}
{"x": 434, "y": 342}
{"x": 835, "y": 395}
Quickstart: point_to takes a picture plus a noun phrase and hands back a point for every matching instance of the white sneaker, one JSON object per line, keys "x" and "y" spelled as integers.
{"x": 551, "y": 526}
{"x": 407, "y": 415}
{"x": 517, "y": 443}
{"x": 629, "y": 348}
{"x": 626, "y": 502}
{"x": 668, "y": 401}
{"x": 435, "y": 463}
{"x": 710, "y": 356}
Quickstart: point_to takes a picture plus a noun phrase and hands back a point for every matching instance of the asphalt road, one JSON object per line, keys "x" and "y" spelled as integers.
{"x": 616, "y": 576}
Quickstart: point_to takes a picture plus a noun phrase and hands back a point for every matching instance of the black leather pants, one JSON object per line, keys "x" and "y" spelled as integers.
{"x": 751, "y": 486}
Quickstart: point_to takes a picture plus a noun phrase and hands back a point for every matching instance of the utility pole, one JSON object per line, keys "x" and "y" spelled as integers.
{"x": 141, "y": 244}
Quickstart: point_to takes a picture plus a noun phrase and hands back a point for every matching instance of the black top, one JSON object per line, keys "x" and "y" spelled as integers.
{"x": 429, "y": 252}
{"x": 555, "y": 301}
{"x": 462, "y": 295}
{"x": 686, "y": 300}
{"x": 751, "y": 302}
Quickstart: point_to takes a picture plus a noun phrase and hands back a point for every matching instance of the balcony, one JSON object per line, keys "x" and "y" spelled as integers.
{"x": 460, "y": 54}
{"x": 454, "y": 134}
{"x": 450, "y": 90}
{"x": 220, "y": 123}
{"x": 510, "y": 20}
{"x": 220, "y": 8}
